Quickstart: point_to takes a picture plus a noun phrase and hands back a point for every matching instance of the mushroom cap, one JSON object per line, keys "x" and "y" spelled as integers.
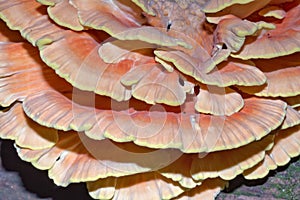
{"x": 215, "y": 6}
{"x": 190, "y": 170}
{"x": 23, "y": 73}
{"x": 151, "y": 99}
{"x": 76, "y": 158}
{"x": 142, "y": 186}
{"x": 230, "y": 163}
{"x": 15, "y": 125}
{"x": 232, "y": 31}
{"x": 292, "y": 118}
{"x": 63, "y": 13}
{"x": 286, "y": 146}
{"x": 276, "y": 71}
{"x": 109, "y": 79}
{"x": 103, "y": 16}
{"x": 273, "y": 11}
{"x": 218, "y": 101}
{"x": 151, "y": 129}
{"x": 29, "y": 18}
{"x": 281, "y": 41}
{"x": 227, "y": 73}
{"x": 241, "y": 9}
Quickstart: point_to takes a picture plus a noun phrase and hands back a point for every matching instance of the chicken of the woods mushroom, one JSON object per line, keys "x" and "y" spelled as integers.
{"x": 151, "y": 99}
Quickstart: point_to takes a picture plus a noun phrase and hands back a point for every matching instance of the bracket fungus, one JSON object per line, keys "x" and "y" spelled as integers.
{"x": 148, "y": 99}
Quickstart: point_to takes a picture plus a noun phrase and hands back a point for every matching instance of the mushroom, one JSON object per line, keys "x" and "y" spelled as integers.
{"x": 151, "y": 99}
{"x": 281, "y": 41}
{"x": 276, "y": 70}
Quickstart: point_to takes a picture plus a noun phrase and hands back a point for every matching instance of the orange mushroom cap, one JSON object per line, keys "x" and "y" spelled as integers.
{"x": 151, "y": 99}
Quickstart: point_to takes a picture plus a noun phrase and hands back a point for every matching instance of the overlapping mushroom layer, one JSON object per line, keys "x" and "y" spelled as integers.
{"x": 151, "y": 99}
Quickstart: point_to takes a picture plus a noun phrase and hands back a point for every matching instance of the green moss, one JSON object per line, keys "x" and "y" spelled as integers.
{"x": 282, "y": 183}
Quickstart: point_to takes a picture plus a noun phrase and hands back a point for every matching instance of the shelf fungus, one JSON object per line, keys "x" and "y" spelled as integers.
{"x": 148, "y": 99}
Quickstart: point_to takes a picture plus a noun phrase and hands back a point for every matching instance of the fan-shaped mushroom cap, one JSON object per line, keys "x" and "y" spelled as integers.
{"x": 153, "y": 84}
{"x": 242, "y": 9}
{"x": 286, "y": 146}
{"x": 76, "y": 63}
{"x": 193, "y": 66}
{"x": 77, "y": 158}
{"x": 218, "y": 101}
{"x": 180, "y": 19}
{"x": 28, "y": 17}
{"x": 231, "y": 72}
{"x": 109, "y": 17}
{"x": 15, "y": 125}
{"x": 191, "y": 170}
{"x": 236, "y": 72}
{"x": 232, "y": 31}
{"x": 75, "y": 58}
{"x": 191, "y": 132}
{"x": 165, "y": 107}
{"x": 283, "y": 40}
{"x": 277, "y": 70}
{"x": 292, "y": 118}
{"x": 230, "y": 163}
{"x": 208, "y": 130}
{"x": 215, "y": 6}
{"x": 141, "y": 186}
{"x": 261, "y": 170}
{"x": 149, "y": 81}
{"x": 273, "y": 11}
{"x": 117, "y": 50}
{"x": 63, "y": 13}
{"x": 180, "y": 171}
{"x": 23, "y": 73}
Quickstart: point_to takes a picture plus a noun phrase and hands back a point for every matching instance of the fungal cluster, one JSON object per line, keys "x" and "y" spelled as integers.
{"x": 151, "y": 99}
